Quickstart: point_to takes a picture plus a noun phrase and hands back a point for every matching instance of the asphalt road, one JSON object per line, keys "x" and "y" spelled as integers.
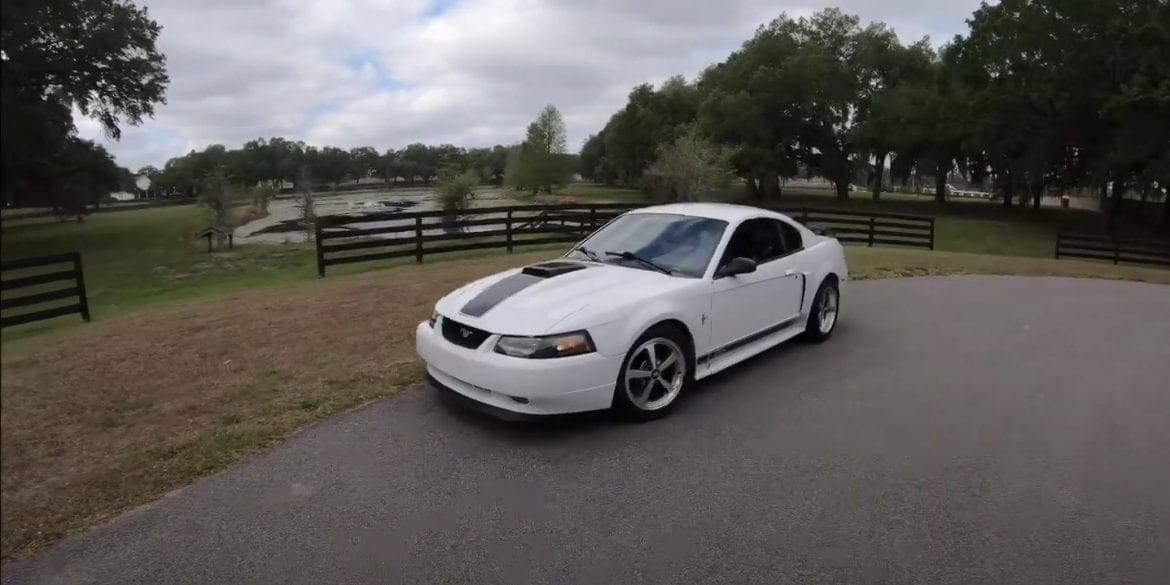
{"x": 955, "y": 430}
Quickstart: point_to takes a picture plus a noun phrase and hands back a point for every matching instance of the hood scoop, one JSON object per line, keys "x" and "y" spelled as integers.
{"x": 506, "y": 287}
{"x": 551, "y": 269}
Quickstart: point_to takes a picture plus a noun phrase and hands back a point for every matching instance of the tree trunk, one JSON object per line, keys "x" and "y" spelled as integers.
{"x": 1007, "y": 196}
{"x": 1037, "y": 193}
{"x": 1166, "y": 209}
{"x": 842, "y": 189}
{"x": 940, "y": 187}
{"x": 755, "y": 187}
{"x": 1115, "y": 209}
{"x": 771, "y": 186}
{"x": 879, "y": 172}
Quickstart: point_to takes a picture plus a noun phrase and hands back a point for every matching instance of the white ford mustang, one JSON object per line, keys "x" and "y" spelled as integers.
{"x": 654, "y": 300}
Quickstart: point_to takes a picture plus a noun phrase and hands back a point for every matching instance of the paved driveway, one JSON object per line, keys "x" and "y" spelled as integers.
{"x": 955, "y": 430}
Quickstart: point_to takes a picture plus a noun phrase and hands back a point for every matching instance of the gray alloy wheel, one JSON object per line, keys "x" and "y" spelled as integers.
{"x": 823, "y": 314}
{"x": 655, "y": 374}
{"x": 657, "y": 369}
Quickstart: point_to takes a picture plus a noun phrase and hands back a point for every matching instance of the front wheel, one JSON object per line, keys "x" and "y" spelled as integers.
{"x": 654, "y": 373}
{"x": 822, "y": 318}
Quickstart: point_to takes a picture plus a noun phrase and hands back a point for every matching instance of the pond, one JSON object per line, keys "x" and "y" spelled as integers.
{"x": 283, "y": 223}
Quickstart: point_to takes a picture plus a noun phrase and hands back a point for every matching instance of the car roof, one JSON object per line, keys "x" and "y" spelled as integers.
{"x": 728, "y": 212}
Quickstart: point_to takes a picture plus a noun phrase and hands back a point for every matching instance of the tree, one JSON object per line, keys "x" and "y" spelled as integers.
{"x": 418, "y": 160}
{"x": 331, "y": 165}
{"x": 626, "y": 146}
{"x": 923, "y": 123}
{"x": 495, "y": 164}
{"x": 363, "y": 162}
{"x": 841, "y": 69}
{"x": 98, "y": 56}
{"x": 308, "y": 218}
{"x": 80, "y": 174}
{"x": 216, "y": 197}
{"x": 591, "y": 155}
{"x": 689, "y": 169}
{"x": 753, "y": 104}
{"x": 894, "y": 67}
{"x": 455, "y": 190}
{"x": 540, "y": 162}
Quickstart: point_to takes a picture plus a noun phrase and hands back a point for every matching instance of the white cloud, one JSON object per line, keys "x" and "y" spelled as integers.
{"x": 389, "y": 72}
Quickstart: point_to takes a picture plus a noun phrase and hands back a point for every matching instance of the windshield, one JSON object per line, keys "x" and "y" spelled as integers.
{"x": 681, "y": 243}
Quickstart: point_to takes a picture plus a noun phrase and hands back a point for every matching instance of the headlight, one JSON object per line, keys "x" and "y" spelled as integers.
{"x": 549, "y": 346}
{"x": 434, "y": 317}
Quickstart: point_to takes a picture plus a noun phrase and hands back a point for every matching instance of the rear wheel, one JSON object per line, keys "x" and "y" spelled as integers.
{"x": 822, "y": 318}
{"x": 654, "y": 374}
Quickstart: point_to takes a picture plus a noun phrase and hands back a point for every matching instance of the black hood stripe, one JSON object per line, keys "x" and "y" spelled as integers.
{"x": 510, "y": 285}
{"x": 496, "y": 293}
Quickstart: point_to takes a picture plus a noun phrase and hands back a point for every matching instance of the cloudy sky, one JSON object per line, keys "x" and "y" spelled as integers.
{"x": 386, "y": 73}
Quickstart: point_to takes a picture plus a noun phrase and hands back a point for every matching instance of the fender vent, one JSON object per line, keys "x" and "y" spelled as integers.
{"x": 551, "y": 269}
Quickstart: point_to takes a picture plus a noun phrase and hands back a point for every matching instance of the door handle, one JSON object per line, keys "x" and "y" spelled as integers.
{"x": 789, "y": 272}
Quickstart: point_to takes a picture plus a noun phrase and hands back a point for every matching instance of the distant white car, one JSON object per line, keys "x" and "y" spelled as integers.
{"x": 654, "y": 300}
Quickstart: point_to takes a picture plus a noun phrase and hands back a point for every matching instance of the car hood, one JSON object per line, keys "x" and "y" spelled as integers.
{"x": 533, "y": 299}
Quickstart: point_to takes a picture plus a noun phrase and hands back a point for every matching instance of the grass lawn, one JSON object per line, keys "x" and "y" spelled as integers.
{"x": 136, "y": 258}
{"x": 96, "y": 419}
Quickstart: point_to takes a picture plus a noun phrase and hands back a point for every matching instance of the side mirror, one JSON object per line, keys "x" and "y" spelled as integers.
{"x": 738, "y": 265}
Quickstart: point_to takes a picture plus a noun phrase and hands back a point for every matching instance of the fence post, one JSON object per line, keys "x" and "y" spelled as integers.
{"x": 804, "y": 216}
{"x": 931, "y": 233}
{"x": 871, "y": 220}
{"x": 1116, "y": 250}
{"x": 508, "y": 231}
{"x": 320, "y": 251}
{"x": 82, "y": 300}
{"x": 1056, "y": 252}
{"x": 418, "y": 242}
{"x": 592, "y": 218}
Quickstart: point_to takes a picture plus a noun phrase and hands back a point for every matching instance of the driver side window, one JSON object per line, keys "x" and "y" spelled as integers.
{"x": 757, "y": 239}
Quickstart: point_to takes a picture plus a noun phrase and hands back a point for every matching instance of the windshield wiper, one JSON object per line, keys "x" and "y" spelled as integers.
{"x": 590, "y": 253}
{"x": 628, "y": 255}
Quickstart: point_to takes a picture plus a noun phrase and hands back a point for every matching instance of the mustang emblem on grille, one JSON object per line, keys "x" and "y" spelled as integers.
{"x": 465, "y": 332}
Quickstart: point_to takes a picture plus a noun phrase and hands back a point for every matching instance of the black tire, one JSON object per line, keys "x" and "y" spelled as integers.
{"x": 626, "y": 406}
{"x": 814, "y": 331}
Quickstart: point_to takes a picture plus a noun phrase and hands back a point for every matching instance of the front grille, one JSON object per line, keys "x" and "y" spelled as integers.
{"x": 463, "y": 335}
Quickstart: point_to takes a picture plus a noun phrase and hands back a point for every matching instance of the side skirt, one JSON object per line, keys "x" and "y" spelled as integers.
{"x": 746, "y": 347}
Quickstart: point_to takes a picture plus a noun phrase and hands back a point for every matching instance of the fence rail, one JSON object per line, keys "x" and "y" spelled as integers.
{"x": 19, "y": 274}
{"x": 1112, "y": 249}
{"x": 19, "y": 213}
{"x": 421, "y": 233}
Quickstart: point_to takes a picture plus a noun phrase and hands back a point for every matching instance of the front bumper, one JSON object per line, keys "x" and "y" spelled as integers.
{"x": 526, "y": 387}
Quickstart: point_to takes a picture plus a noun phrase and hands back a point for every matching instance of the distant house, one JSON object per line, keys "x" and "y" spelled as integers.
{"x": 122, "y": 196}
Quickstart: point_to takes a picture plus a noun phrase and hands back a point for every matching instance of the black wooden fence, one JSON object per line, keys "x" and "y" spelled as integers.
{"x": 869, "y": 228}
{"x": 74, "y": 291}
{"x": 1112, "y": 249}
{"x": 417, "y": 234}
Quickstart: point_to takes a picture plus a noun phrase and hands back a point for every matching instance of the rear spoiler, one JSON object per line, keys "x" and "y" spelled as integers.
{"x": 821, "y": 231}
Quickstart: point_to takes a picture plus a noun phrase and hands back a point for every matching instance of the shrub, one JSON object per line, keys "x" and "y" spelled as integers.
{"x": 456, "y": 190}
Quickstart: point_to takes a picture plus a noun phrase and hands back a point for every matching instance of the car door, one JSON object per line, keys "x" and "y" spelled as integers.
{"x": 757, "y": 303}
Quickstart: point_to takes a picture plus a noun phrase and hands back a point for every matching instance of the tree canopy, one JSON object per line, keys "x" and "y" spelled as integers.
{"x": 1038, "y": 95}
{"x": 97, "y": 56}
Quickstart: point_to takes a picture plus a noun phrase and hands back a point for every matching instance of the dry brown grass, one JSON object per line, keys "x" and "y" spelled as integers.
{"x": 898, "y": 262}
{"x": 102, "y": 417}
